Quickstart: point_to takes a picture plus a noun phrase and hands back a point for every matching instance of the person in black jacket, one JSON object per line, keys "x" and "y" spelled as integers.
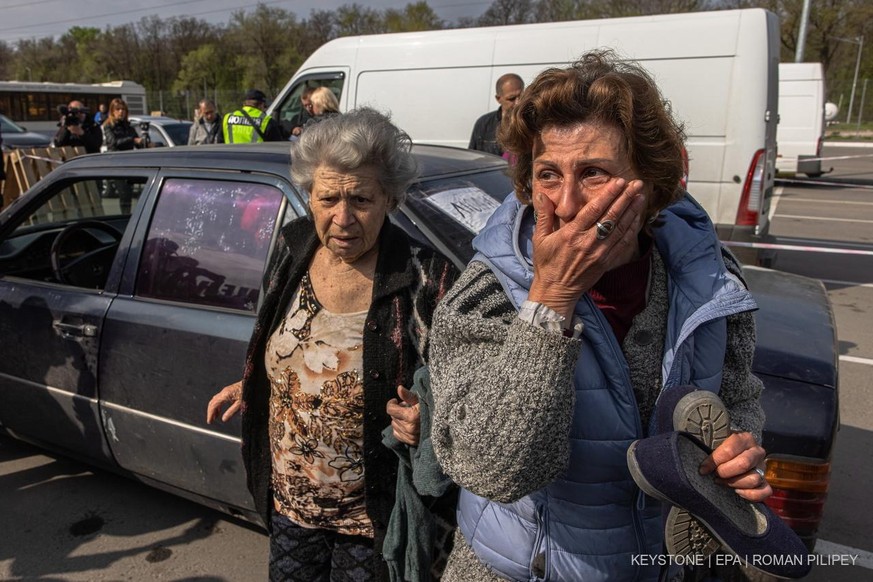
{"x": 484, "y": 137}
{"x": 118, "y": 136}
{"x": 340, "y": 333}
{"x": 77, "y": 128}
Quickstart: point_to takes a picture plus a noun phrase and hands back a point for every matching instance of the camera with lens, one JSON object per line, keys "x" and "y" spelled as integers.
{"x": 144, "y": 133}
{"x": 70, "y": 115}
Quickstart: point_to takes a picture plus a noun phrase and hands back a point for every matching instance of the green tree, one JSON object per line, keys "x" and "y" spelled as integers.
{"x": 7, "y": 55}
{"x": 557, "y": 10}
{"x": 502, "y": 12}
{"x": 40, "y": 59}
{"x": 80, "y": 43}
{"x": 320, "y": 27}
{"x": 205, "y": 71}
{"x": 354, "y": 19}
{"x": 414, "y": 16}
{"x": 119, "y": 54}
{"x": 266, "y": 42}
{"x": 831, "y": 28}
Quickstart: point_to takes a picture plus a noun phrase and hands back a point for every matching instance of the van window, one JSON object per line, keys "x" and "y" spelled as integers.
{"x": 290, "y": 113}
{"x": 208, "y": 242}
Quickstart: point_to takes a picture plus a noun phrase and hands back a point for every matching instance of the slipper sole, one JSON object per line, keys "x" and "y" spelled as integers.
{"x": 703, "y": 415}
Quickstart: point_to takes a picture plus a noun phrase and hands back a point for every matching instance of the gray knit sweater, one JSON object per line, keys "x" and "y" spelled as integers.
{"x": 505, "y": 388}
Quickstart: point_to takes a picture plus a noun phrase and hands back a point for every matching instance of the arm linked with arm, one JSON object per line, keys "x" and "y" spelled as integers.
{"x": 740, "y": 388}
{"x": 503, "y": 392}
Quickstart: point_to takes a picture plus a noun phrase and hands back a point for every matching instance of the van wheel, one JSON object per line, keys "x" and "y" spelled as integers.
{"x": 815, "y": 174}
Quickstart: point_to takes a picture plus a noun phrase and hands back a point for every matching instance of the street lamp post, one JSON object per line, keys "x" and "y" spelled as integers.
{"x": 29, "y": 73}
{"x": 858, "y": 40}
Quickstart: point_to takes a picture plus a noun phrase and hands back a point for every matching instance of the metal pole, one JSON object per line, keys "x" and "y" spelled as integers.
{"x": 801, "y": 36}
{"x": 860, "y": 41}
{"x": 861, "y": 107}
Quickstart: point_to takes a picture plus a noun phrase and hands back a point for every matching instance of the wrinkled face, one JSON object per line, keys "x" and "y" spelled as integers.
{"x": 348, "y": 210}
{"x": 573, "y": 164}
{"x": 207, "y": 112}
{"x": 510, "y": 91}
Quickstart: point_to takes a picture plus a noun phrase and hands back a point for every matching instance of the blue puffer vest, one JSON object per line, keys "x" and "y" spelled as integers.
{"x": 593, "y": 523}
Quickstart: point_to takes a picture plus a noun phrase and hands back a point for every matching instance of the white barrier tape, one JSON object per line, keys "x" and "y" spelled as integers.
{"x": 751, "y": 245}
{"x": 810, "y": 181}
{"x": 832, "y": 158}
{"x": 50, "y": 160}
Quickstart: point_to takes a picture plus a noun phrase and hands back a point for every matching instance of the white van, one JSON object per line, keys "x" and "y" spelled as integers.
{"x": 801, "y": 119}
{"x": 719, "y": 70}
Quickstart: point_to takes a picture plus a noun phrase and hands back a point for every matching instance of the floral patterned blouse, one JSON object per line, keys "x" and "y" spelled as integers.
{"x": 314, "y": 361}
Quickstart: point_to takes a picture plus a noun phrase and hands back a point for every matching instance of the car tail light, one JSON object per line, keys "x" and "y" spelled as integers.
{"x": 753, "y": 192}
{"x": 799, "y": 493}
{"x": 684, "y": 180}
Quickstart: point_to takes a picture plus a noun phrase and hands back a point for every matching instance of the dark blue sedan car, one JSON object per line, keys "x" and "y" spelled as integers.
{"x": 119, "y": 321}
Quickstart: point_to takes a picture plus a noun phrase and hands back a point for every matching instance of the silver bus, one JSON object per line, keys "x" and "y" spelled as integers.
{"x": 35, "y": 104}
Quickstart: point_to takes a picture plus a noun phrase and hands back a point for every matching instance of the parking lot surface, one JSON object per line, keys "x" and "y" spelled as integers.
{"x": 66, "y": 521}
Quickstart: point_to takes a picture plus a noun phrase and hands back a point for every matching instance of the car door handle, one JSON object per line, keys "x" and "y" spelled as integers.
{"x": 72, "y": 329}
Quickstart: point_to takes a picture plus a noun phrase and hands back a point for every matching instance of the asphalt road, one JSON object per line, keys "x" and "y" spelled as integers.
{"x": 62, "y": 520}
{"x": 832, "y": 217}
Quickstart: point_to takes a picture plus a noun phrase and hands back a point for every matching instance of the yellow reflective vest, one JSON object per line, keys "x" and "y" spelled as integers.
{"x": 238, "y": 128}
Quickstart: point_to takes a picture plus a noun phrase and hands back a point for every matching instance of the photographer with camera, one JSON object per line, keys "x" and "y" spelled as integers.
{"x": 77, "y": 128}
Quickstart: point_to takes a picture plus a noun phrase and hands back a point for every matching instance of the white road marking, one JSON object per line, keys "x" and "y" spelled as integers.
{"x": 848, "y": 144}
{"x": 821, "y": 218}
{"x": 846, "y": 283}
{"x": 829, "y": 202}
{"x": 774, "y": 202}
{"x": 864, "y": 558}
{"x": 751, "y": 245}
{"x": 856, "y": 360}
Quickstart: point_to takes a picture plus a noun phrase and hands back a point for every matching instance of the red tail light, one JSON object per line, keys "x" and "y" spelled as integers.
{"x": 684, "y": 180}
{"x": 818, "y": 148}
{"x": 753, "y": 192}
{"x": 801, "y": 511}
{"x": 799, "y": 493}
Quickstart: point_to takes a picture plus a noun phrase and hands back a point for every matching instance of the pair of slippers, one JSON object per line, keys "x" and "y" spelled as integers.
{"x": 706, "y": 515}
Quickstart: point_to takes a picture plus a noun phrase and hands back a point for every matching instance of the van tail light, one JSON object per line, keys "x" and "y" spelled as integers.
{"x": 753, "y": 192}
{"x": 799, "y": 493}
{"x": 818, "y": 148}
{"x": 684, "y": 180}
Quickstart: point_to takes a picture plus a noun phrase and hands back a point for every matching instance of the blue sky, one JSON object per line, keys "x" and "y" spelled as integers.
{"x": 39, "y": 18}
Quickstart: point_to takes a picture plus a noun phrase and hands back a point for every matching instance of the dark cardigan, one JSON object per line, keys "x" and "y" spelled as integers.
{"x": 410, "y": 279}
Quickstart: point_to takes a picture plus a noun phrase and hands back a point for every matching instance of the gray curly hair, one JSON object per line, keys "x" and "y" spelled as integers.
{"x": 362, "y": 137}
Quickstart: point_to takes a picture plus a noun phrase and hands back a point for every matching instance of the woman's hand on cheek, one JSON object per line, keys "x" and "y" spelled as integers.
{"x": 570, "y": 259}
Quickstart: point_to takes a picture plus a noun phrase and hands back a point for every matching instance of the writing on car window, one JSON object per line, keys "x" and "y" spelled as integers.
{"x": 208, "y": 242}
{"x": 470, "y": 206}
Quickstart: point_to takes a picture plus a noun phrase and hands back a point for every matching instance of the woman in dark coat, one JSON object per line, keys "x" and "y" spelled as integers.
{"x": 342, "y": 329}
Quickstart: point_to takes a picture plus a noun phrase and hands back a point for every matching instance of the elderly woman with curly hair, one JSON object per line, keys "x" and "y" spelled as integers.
{"x": 599, "y": 285}
{"x": 342, "y": 329}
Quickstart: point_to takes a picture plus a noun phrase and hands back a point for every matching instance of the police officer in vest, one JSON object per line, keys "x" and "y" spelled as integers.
{"x": 250, "y": 124}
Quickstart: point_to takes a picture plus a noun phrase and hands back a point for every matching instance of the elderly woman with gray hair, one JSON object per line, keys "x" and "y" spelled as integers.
{"x": 342, "y": 329}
